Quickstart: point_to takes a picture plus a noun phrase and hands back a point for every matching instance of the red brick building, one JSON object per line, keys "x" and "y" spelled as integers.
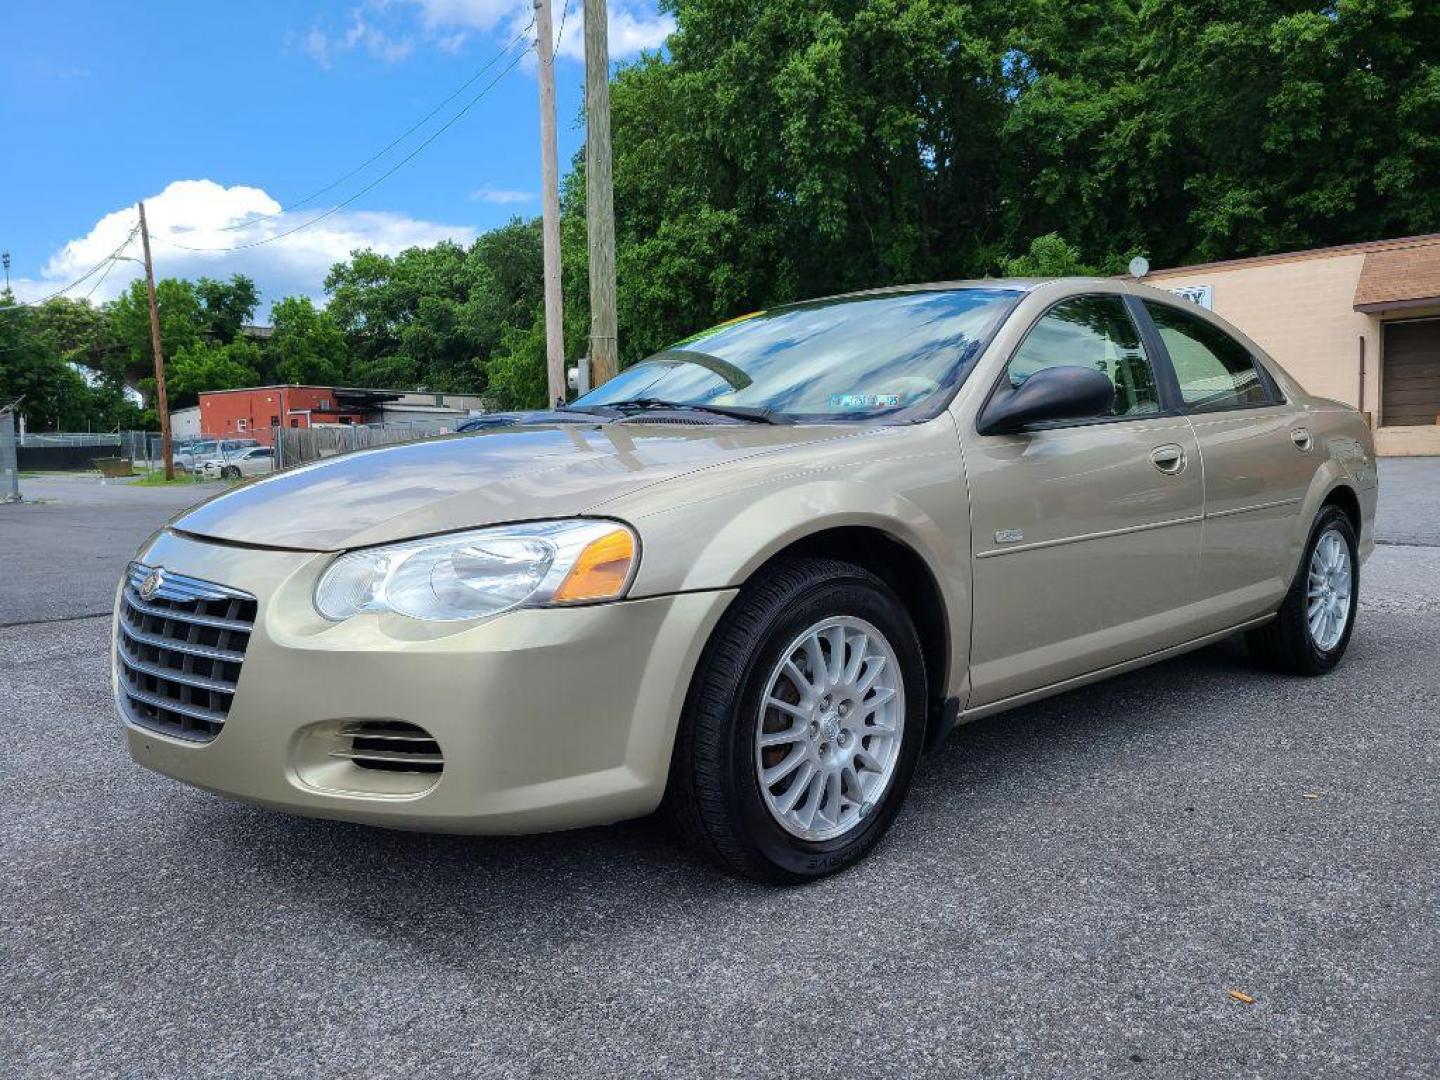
{"x": 254, "y": 411}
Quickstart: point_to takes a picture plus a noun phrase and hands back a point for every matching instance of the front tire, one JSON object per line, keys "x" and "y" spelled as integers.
{"x": 803, "y": 724}
{"x": 1311, "y": 632}
{"x": 230, "y": 472}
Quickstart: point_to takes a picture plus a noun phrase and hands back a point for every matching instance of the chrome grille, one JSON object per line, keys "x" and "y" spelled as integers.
{"x": 179, "y": 644}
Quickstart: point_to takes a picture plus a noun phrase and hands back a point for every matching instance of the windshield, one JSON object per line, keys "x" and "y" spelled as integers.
{"x": 849, "y": 358}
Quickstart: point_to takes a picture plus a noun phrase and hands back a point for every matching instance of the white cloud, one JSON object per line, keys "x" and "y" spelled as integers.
{"x": 199, "y": 214}
{"x": 362, "y": 33}
{"x": 379, "y": 27}
{"x": 449, "y": 26}
{"x": 503, "y": 196}
{"x": 634, "y": 27}
{"x": 317, "y": 47}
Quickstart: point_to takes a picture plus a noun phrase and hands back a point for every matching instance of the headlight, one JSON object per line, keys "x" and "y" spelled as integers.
{"x": 473, "y": 574}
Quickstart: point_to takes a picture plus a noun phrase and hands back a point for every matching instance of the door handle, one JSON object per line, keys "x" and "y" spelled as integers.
{"x": 1301, "y": 438}
{"x": 1169, "y": 459}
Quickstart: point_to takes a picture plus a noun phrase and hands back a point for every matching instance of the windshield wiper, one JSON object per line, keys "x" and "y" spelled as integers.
{"x": 735, "y": 412}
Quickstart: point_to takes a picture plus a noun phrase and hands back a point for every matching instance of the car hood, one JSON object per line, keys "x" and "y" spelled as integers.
{"x": 465, "y": 481}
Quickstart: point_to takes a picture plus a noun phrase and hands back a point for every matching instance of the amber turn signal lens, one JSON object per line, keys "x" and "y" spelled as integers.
{"x": 601, "y": 570}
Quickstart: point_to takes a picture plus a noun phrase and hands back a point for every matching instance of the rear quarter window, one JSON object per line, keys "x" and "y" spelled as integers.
{"x": 1214, "y": 370}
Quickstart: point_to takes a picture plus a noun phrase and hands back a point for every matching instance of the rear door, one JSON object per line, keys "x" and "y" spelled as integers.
{"x": 1258, "y": 459}
{"x": 1086, "y": 535}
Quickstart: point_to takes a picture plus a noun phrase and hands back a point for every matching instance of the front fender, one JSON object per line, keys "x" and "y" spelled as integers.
{"x": 760, "y": 524}
{"x": 714, "y": 530}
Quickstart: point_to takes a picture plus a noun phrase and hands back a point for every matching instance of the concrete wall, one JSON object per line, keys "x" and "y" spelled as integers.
{"x": 185, "y": 423}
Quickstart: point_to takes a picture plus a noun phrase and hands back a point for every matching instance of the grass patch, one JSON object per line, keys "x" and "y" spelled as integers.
{"x": 156, "y": 478}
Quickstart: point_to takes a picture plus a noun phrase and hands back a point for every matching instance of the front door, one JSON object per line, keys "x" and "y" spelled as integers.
{"x": 1086, "y": 535}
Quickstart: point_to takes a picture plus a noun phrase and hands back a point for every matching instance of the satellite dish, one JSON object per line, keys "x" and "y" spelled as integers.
{"x": 1139, "y": 267}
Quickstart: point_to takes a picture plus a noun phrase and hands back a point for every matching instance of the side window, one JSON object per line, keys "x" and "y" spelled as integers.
{"x": 1092, "y": 331}
{"x": 1215, "y": 370}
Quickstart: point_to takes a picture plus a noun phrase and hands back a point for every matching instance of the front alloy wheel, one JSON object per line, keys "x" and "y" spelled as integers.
{"x": 829, "y": 728}
{"x": 803, "y": 723}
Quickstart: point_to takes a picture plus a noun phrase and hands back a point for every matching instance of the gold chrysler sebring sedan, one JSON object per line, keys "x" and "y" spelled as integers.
{"x": 752, "y": 578}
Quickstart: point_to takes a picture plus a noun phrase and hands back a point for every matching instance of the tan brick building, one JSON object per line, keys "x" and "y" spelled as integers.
{"x": 1360, "y": 323}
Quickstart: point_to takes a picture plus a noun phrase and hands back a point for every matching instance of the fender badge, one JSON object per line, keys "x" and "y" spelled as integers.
{"x": 1009, "y": 536}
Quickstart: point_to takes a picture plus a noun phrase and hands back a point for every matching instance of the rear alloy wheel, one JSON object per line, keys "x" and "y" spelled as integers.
{"x": 803, "y": 724}
{"x": 1311, "y": 631}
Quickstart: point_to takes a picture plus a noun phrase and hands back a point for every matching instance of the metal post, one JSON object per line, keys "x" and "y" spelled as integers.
{"x": 9, "y": 458}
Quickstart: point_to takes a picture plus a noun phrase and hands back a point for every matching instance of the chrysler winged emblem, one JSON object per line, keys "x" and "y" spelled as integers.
{"x": 152, "y": 583}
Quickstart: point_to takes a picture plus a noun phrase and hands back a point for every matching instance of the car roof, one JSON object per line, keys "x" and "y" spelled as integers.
{"x": 1004, "y": 284}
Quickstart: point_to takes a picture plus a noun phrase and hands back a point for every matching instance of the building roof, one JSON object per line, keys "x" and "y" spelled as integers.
{"x": 1399, "y": 278}
{"x": 310, "y": 386}
{"x": 1369, "y": 247}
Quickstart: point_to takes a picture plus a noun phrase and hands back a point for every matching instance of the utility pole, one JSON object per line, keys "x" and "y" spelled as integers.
{"x": 550, "y": 206}
{"x": 599, "y": 196}
{"x": 5, "y": 257}
{"x": 162, "y": 403}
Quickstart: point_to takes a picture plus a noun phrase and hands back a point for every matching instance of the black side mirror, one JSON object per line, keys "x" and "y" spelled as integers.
{"x": 1054, "y": 393}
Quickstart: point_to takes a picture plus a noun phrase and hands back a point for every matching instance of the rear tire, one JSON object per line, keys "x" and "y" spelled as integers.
{"x": 1311, "y": 632}
{"x": 837, "y": 739}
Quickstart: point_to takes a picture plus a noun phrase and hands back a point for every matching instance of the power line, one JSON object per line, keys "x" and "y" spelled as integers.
{"x": 107, "y": 262}
{"x": 560, "y": 34}
{"x": 101, "y": 279}
{"x": 374, "y": 183}
{"x": 389, "y": 146}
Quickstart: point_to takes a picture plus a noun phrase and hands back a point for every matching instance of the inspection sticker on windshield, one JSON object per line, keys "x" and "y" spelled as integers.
{"x": 864, "y": 401}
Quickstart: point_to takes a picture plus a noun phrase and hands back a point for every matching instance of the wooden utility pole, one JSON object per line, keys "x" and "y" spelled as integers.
{"x": 162, "y": 402}
{"x": 550, "y": 207}
{"x": 599, "y": 196}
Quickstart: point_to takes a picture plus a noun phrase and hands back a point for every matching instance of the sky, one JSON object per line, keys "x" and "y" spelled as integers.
{"x": 223, "y": 114}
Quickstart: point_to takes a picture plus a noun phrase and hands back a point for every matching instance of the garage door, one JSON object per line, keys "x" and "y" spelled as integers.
{"x": 1411, "y": 391}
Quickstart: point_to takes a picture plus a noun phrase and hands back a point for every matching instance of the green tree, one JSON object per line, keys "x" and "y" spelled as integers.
{"x": 226, "y": 306}
{"x": 207, "y": 366}
{"x": 53, "y": 395}
{"x": 307, "y": 346}
{"x": 438, "y": 317}
{"x": 132, "y": 360}
{"x": 518, "y": 377}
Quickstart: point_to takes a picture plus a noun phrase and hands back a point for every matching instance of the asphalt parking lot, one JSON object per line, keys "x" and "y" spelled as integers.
{"x": 1073, "y": 889}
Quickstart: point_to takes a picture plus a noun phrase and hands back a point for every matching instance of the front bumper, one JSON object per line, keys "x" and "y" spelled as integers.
{"x": 547, "y": 719}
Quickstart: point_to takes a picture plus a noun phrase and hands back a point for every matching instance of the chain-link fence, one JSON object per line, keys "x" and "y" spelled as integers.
{"x": 300, "y": 446}
{"x": 9, "y": 460}
{"x": 293, "y": 446}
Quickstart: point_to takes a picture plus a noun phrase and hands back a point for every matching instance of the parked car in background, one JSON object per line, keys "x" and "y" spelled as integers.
{"x": 190, "y": 457}
{"x": 751, "y": 578}
{"x": 247, "y": 461}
